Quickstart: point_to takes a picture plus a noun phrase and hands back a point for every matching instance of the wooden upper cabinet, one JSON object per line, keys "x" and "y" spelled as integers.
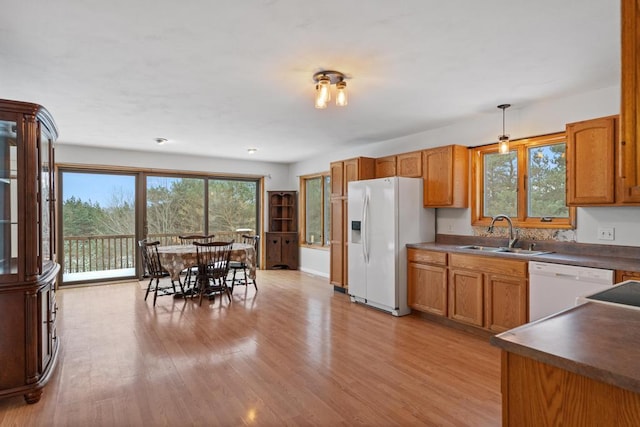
{"x": 358, "y": 169}
{"x": 630, "y": 107}
{"x": 591, "y": 168}
{"x": 337, "y": 179}
{"x": 385, "y": 167}
{"x": 409, "y": 164}
{"x": 446, "y": 177}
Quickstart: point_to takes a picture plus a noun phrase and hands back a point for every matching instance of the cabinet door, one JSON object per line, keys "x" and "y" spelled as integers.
{"x": 289, "y": 250}
{"x": 630, "y": 106}
{"x": 446, "y": 177}
{"x": 466, "y": 296}
{"x": 409, "y": 164}
{"x": 506, "y": 302}
{"x": 345, "y": 245}
{"x": 336, "y": 244}
{"x": 357, "y": 169}
{"x": 274, "y": 249}
{"x": 591, "y": 162}
{"x": 385, "y": 167}
{"x": 427, "y": 288}
{"x": 350, "y": 174}
{"x": 46, "y": 301}
{"x": 337, "y": 179}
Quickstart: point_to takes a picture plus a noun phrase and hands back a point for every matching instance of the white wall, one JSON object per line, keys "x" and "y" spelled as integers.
{"x": 540, "y": 118}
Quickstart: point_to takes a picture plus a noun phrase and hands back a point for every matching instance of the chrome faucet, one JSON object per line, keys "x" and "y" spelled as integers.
{"x": 513, "y": 238}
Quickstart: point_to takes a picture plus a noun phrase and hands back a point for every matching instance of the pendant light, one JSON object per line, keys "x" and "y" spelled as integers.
{"x": 503, "y": 140}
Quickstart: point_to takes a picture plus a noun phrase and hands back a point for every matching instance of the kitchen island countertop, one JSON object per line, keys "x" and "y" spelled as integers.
{"x": 594, "y": 340}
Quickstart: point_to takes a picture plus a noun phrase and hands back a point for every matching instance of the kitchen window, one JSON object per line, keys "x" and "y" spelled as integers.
{"x": 315, "y": 194}
{"x": 528, "y": 183}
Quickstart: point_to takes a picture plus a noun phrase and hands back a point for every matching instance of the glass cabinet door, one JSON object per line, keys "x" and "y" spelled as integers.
{"x": 45, "y": 199}
{"x": 8, "y": 197}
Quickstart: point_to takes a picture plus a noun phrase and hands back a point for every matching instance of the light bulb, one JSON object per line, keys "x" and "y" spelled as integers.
{"x": 324, "y": 86}
{"x": 503, "y": 144}
{"x": 341, "y": 94}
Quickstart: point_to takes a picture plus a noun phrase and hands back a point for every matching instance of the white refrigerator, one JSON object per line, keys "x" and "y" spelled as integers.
{"x": 383, "y": 216}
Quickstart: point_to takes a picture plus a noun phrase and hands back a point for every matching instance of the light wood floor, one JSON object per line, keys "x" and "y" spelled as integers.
{"x": 294, "y": 353}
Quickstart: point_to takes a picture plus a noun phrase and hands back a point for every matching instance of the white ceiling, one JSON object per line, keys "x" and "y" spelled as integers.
{"x": 217, "y": 77}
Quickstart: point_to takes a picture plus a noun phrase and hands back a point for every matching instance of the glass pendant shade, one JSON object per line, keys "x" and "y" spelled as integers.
{"x": 320, "y": 99}
{"x": 503, "y": 144}
{"x": 324, "y": 86}
{"x": 341, "y": 94}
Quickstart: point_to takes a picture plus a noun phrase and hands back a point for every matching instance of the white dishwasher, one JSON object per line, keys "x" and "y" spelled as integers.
{"x": 555, "y": 287}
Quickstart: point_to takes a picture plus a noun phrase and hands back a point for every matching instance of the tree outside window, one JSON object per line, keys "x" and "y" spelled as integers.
{"x": 528, "y": 183}
{"x": 315, "y": 216}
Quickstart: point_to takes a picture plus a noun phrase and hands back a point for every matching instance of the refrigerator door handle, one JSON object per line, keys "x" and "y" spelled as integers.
{"x": 365, "y": 231}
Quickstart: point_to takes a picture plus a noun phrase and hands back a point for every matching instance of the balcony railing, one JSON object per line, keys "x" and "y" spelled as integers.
{"x": 113, "y": 252}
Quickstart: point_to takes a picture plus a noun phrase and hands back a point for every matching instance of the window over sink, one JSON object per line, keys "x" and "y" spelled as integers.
{"x": 528, "y": 183}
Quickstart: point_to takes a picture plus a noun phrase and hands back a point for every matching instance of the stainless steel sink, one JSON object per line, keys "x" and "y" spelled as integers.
{"x": 514, "y": 251}
{"x": 481, "y": 248}
{"x": 520, "y": 251}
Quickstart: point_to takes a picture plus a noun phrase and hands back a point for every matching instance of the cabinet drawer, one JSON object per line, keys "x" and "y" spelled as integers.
{"x": 426, "y": 257}
{"x": 498, "y": 265}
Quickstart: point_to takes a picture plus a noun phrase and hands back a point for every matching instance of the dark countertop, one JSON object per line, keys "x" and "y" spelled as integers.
{"x": 585, "y": 255}
{"x": 594, "y": 340}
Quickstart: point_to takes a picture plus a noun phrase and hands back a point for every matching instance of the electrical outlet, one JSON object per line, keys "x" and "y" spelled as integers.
{"x": 606, "y": 233}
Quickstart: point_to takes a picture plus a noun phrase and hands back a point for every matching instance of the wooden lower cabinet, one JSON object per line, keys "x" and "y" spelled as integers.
{"x": 506, "y": 302}
{"x": 28, "y": 338}
{"x": 486, "y": 292}
{"x": 466, "y": 296}
{"x": 282, "y": 250}
{"x": 427, "y": 288}
{"x": 427, "y": 281}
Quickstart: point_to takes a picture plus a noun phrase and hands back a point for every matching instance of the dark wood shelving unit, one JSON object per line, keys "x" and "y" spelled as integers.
{"x": 282, "y": 237}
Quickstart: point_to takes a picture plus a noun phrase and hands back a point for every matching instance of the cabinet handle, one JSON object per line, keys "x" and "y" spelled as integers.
{"x": 286, "y": 241}
{"x": 275, "y": 241}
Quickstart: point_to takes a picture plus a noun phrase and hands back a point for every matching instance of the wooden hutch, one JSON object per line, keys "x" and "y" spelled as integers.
{"x": 28, "y": 268}
{"x": 282, "y": 237}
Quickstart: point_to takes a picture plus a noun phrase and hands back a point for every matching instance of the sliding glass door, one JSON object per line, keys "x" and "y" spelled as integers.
{"x": 99, "y": 211}
{"x": 98, "y": 226}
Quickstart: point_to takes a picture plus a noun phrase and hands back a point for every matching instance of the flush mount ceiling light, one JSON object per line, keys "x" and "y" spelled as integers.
{"x": 252, "y": 150}
{"x": 160, "y": 141}
{"x": 503, "y": 140}
{"x": 324, "y": 80}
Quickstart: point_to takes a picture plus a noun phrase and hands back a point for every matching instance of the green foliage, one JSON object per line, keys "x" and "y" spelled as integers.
{"x": 501, "y": 184}
{"x": 547, "y": 180}
{"x": 313, "y": 210}
{"x": 545, "y": 184}
{"x": 81, "y": 218}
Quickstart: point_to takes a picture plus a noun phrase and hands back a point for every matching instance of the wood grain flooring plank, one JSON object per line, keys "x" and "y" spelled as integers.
{"x": 293, "y": 353}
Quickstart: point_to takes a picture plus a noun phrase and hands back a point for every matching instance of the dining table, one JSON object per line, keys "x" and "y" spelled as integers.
{"x": 176, "y": 258}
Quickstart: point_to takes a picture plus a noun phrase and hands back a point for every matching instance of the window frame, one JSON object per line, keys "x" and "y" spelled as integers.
{"x": 302, "y": 220}
{"x": 521, "y": 147}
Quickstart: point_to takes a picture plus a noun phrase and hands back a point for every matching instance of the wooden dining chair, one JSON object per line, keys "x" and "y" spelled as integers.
{"x": 213, "y": 268}
{"x": 189, "y": 239}
{"x": 155, "y": 271}
{"x": 237, "y": 266}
